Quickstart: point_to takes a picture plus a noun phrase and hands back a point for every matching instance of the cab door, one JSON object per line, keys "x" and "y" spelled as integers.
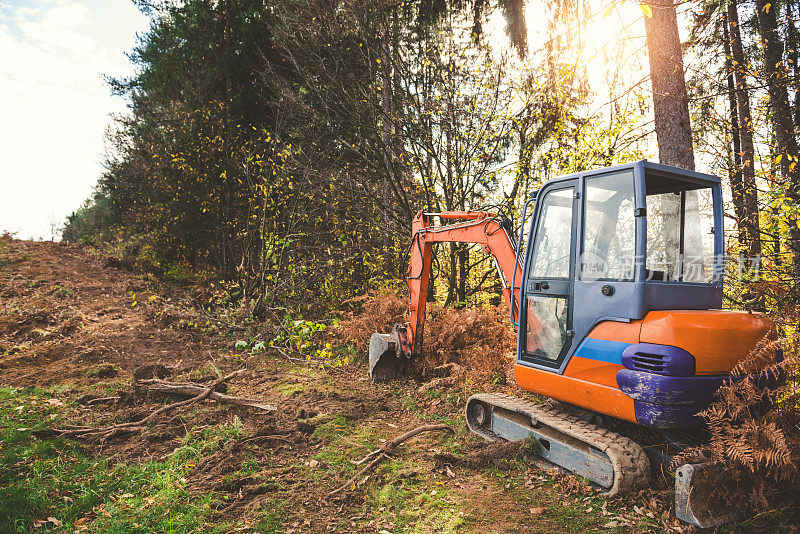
{"x": 547, "y": 334}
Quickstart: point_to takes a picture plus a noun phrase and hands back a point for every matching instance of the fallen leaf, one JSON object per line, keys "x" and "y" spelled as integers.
{"x": 313, "y": 463}
{"x": 536, "y": 511}
{"x": 611, "y": 524}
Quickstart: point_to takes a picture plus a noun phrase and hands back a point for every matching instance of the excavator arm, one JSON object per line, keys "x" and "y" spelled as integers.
{"x": 388, "y": 353}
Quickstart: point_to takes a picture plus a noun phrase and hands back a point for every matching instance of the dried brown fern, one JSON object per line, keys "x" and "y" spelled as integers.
{"x": 754, "y": 428}
{"x": 477, "y": 339}
{"x": 381, "y": 311}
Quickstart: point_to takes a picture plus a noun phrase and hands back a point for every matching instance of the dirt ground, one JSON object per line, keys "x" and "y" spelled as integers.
{"x": 83, "y": 327}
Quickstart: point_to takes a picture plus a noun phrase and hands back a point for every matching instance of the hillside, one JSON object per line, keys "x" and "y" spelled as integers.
{"x": 72, "y": 342}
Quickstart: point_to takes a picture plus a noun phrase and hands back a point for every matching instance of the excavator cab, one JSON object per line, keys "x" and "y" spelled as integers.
{"x": 612, "y": 245}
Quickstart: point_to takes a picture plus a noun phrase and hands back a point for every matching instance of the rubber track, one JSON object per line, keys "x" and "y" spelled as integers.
{"x": 631, "y": 466}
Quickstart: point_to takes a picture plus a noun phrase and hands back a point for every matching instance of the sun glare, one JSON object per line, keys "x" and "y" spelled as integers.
{"x": 607, "y": 40}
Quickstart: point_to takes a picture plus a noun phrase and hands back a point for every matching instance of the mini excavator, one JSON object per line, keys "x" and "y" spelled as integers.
{"x": 616, "y": 297}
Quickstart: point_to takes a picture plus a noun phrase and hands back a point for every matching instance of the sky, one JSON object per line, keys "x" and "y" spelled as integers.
{"x": 54, "y": 104}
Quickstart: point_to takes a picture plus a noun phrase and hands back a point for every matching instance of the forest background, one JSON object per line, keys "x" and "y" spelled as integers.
{"x": 283, "y": 147}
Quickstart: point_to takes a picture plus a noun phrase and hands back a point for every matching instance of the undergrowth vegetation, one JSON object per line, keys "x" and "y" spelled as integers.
{"x": 478, "y": 339}
{"x": 754, "y": 426}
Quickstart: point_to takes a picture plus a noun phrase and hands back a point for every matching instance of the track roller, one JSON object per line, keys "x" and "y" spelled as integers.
{"x": 613, "y": 462}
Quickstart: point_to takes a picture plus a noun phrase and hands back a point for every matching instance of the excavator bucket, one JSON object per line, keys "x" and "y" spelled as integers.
{"x": 702, "y": 494}
{"x": 384, "y": 356}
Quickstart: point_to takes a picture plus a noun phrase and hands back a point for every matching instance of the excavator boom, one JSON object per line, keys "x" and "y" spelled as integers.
{"x": 389, "y": 352}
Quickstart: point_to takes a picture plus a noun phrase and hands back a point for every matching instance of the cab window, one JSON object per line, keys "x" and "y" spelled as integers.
{"x": 609, "y": 229}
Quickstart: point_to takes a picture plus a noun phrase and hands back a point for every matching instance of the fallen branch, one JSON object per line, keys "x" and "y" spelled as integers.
{"x": 192, "y": 390}
{"x": 381, "y": 452}
{"x": 136, "y": 426}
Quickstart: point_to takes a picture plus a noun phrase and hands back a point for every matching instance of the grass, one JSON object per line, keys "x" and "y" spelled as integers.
{"x": 412, "y": 500}
{"x": 343, "y": 442}
{"x": 273, "y": 517}
{"x": 400, "y": 495}
{"x": 56, "y": 478}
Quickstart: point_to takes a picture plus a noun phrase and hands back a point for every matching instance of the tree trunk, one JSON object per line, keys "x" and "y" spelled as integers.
{"x": 783, "y": 126}
{"x": 745, "y": 127}
{"x": 736, "y": 166}
{"x": 670, "y": 104}
{"x": 451, "y": 276}
{"x": 463, "y": 264}
{"x": 793, "y": 55}
{"x": 387, "y": 129}
{"x": 450, "y": 185}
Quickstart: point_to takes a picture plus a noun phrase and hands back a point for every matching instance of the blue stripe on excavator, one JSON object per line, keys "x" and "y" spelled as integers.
{"x": 601, "y": 350}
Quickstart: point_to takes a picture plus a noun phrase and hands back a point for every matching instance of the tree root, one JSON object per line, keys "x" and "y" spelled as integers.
{"x": 381, "y": 452}
{"x": 445, "y": 376}
{"x": 107, "y": 432}
{"x": 192, "y": 390}
{"x": 486, "y": 455}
